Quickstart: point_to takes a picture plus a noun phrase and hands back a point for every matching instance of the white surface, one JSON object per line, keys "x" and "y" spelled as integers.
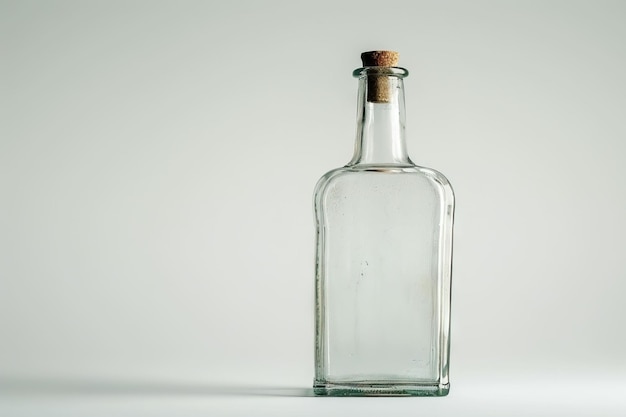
{"x": 157, "y": 161}
{"x": 525, "y": 397}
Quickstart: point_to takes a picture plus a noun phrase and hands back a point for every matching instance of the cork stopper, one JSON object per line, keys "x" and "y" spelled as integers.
{"x": 378, "y": 86}
{"x": 380, "y": 58}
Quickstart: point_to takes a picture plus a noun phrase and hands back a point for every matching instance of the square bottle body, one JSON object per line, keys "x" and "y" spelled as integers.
{"x": 383, "y": 272}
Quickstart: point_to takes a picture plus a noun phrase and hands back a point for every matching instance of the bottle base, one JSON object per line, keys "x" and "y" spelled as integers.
{"x": 379, "y": 389}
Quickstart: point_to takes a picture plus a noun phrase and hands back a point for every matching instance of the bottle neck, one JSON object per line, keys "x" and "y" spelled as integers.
{"x": 380, "y": 122}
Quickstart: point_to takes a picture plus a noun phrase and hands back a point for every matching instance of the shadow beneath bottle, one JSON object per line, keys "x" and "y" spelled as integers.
{"x": 79, "y": 387}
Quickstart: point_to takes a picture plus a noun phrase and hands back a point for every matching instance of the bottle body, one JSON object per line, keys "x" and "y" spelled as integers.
{"x": 384, "y": 242}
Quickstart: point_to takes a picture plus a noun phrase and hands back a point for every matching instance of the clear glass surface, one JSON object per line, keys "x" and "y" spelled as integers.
{"x": 383, "y": 265}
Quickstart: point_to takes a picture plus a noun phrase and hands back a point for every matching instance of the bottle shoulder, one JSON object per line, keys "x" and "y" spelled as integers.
{"x": 366, "y": 172}
{"x": 437, "y": 177}
{"x": 371, "y": 180}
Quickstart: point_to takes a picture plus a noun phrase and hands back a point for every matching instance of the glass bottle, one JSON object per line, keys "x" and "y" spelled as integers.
{"x": 384, "y": 252}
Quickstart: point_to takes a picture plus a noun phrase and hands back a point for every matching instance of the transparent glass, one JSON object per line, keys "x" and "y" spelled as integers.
{"x": 383, "y": 262}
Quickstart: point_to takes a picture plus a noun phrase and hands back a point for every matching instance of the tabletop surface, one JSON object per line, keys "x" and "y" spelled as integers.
{"x": 468, "y": 398}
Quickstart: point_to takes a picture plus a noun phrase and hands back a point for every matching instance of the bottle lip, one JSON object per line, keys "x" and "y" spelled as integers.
{"x": 388, "y": 71}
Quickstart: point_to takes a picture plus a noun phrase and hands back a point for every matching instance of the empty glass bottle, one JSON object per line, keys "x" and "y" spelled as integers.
{"x": 384, "y": 252}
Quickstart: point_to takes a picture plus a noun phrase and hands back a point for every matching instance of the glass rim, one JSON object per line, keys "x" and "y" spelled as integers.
{"x": 388, "y": 71}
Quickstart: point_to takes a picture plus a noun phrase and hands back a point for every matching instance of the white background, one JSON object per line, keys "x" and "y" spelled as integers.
{"x": 157, "y": 161}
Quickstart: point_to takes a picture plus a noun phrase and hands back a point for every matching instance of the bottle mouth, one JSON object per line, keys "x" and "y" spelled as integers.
{"x": 385, "y": 71}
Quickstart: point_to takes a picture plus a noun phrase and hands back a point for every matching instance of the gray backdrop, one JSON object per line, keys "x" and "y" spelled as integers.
{"x": 157, "y": 164}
